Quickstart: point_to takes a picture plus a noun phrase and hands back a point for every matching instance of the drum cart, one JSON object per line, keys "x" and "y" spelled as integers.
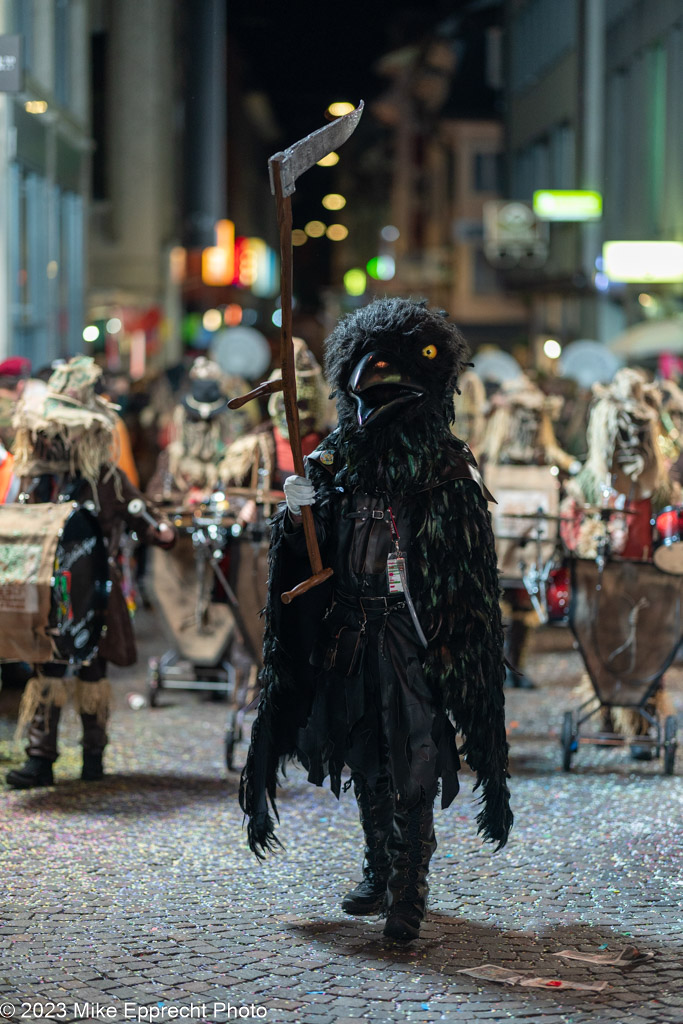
{"x": 218, "y": 632}
{"x": 626, "y": 617}
{"x": 172, "y": 672}
{"x": 545, "y": 579}
{"x": 664, "y": 743}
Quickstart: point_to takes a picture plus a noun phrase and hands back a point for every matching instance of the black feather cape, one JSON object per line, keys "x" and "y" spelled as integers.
{"x": 454, "y": 579}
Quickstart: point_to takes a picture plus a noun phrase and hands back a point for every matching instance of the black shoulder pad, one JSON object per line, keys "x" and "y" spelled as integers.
{"x": 463, "y": 467}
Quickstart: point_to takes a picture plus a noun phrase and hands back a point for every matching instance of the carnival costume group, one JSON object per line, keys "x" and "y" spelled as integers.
{"x": 391, "y": 673}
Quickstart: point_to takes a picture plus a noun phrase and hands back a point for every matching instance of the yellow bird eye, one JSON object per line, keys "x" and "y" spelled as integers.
{"x": 429, "y": 351}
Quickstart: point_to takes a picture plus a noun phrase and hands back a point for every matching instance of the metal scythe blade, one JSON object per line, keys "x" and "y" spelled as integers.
{"x": 304, "y": 154}
{"x": 292, "y": 163}
{"x": 284, "y": 169}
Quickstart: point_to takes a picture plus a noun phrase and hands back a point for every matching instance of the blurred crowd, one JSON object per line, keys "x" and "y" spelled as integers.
{"x": 593, "y": 471}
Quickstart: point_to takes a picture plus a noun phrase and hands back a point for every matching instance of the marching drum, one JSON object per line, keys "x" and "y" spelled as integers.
{"x": 558, "y": 595}
{"x": 524, "y": 519}
{"x": 53, "y": 583}
{"x": 668, "y": 547}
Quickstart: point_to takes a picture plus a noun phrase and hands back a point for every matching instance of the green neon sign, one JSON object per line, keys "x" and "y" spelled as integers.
{"x": 567, "y": 204}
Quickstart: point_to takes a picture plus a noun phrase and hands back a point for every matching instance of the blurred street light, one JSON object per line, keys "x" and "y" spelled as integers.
{"x": 329, "y": 161}
{"x": 333, "y": 201}
{"x": 339, "y": 109}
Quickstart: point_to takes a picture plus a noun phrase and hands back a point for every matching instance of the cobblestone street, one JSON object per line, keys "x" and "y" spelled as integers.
{"x": 137, "y": 898}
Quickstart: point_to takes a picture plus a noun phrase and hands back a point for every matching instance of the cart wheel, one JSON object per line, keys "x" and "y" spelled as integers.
{"x": 229, "y": 749}
{"x": 670, "y": 743}
{"x": 153, "y": 680}
{"x": 569, "y": 740}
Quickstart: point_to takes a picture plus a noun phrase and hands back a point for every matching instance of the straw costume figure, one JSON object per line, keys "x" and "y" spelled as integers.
{"x": 670, "y": 439}
{"x": 64, "y": 452}
{"x": 263, "y": 458}
{"x": 520, "y": 432}
{"x": 625, "y": 470}
{"x": 377, "y": 668}
{"x": 202, "y": 428}
{"x": 471, "y": 407}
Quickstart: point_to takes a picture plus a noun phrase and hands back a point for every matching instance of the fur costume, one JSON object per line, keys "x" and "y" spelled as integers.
{"x": 65, "y": 451}
{"x": 520, "y": 432}
{"x": 671, "y": 435}
{"x": 374, "y": 468}
{"x": 202, "y": 428}
{"x": 263, "y": 457}
{"x": 520, "y": 427}
{"x": 625, "y": 468}
{"x": 471, "y": 409}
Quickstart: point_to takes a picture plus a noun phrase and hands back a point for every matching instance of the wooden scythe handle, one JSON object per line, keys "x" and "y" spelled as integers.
{"x": 284, "y": 219}
{"x": 269, "y": 387}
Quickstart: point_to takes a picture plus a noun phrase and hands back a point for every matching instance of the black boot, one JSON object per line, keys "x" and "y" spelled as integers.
{"x": 411, "y": 845}
{"x": 93, "y": 769}
{"x": 36, "y": 772}
{"x": 516, "y": 642}
{"x": 94, "y": 742}
{"x": 517, "y": 680}
{"x": 376, "y": 811}
{"x": 41, "y": 750}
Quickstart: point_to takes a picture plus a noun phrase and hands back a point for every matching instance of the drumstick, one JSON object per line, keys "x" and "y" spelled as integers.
{"x": 136, "y": 507}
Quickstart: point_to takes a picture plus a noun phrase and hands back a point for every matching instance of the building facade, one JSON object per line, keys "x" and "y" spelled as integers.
{"x": 594, "y": 101}
{"x": 45, "y": 151}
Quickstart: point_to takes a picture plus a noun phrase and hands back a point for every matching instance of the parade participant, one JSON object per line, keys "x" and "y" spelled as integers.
{"x": 13, "y": 375}
{"x": 9, "y": 484}
{"x": 471, "y": 407}
{"x": 519, "y": 433}
{"x": 625, "y": 471}
{"x": 263, "y": 457}
{"x": 63, "y": 452}
{"x": 671, "y": 436}
{"x": 202, "y": 428}
{"x": 11, "y": 673}
{"x": 365, "y": 671}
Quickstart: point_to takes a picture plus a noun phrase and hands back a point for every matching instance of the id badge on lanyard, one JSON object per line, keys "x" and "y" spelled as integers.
{"x": 397, "y": 577}
{"x": 396, "y": 562}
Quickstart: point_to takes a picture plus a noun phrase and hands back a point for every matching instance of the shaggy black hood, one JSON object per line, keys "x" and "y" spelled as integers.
{"x": 394, "y": 358}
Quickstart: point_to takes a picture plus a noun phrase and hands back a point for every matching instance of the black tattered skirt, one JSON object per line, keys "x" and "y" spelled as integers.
{"x": 373, "y": 710}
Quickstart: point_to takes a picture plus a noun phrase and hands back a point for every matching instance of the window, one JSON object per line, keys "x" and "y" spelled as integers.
{"x": 488, "y": 172}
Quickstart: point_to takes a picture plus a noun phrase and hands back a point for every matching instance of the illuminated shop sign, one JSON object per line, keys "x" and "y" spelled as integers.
{"x": 643, "y": 261}
{"x": 567, "y": 204}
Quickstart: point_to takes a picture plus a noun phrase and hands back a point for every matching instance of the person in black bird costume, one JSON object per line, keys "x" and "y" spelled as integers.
{"x": 377, "y": 668}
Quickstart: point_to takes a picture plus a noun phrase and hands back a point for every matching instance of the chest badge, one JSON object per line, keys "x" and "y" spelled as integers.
{"x": 326, "y": 458}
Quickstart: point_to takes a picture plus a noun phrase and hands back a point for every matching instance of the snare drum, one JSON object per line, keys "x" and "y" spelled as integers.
{"x": 668, "y": 548}
{"x": 557, "y": 594}
{"x": 53, "y": 583}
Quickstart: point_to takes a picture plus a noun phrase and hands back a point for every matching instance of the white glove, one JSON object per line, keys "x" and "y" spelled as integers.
{"x": 298, "y": 491}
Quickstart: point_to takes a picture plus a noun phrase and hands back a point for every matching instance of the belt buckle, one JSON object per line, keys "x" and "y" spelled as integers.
{"x": 377, "y": 513}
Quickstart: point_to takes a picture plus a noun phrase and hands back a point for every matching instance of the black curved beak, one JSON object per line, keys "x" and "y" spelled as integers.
{"x": 380, "y": 388}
